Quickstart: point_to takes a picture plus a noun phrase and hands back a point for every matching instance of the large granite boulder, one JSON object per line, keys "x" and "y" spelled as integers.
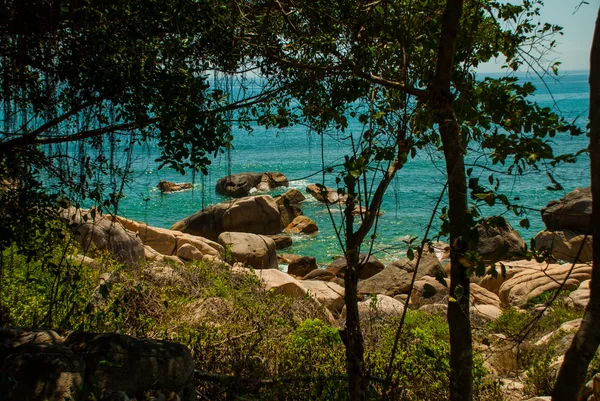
{"x": 161, "y": 240}
{"x": 254, "y": 250}
{"x": 565, "y": 245}
{"x": 370, "y": 266}
{"x": 572, "y": 212}
{"x": 330, "y": 295}
{"x": 43, "y": 365}
{"x": 397, "y": 276}
{"x": 256, "y": 214}
{"x": 105, "y": 235}
{"x": 325, "y": 194}
{"x": 498, "y": 240}
{"x": 240, "y": 185}
{"x": 529, "y": 283}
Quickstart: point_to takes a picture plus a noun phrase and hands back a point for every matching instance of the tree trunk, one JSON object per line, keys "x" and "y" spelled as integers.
{"x": 571, "y": 377}
{"x": 355, "y": 368}
{"x": 461, "y": 352}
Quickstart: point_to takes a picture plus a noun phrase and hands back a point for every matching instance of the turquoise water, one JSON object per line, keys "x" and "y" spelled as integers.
{"x": 407, "y": 205}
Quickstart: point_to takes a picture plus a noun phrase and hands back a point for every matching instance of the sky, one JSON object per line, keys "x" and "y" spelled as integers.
{"x": 573, "y": 49}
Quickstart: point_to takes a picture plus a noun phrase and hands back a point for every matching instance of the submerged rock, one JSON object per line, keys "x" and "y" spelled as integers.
{"x": 167, "y": 186}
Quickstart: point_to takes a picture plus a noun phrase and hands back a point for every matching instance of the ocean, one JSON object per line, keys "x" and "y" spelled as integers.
{"x": 408, "y": 202}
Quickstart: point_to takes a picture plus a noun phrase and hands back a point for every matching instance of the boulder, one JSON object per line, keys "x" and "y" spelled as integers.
{"x": 376, "y": 307}
{"x": 370, "y": 266}
{"x": 189, "y": 252}
{"x": 282, "y": 241}
{"x": 397, "y": 276}
{"x": 330, "y": 295}
{"x": 325, "y": 194}
{"x": 161, "y": 240}
{"x": 167, "y": 186}
{"x": 302, "y": 224}
{"x": 239, "y": 185}
{"x": 279, "y": 282}
{"x": 46, "y": 366}
{"x": 498, "y": 240}
{"x": 204, "y": 245}
{"x": 580, "y": 297}
{"x": 491, "y": 283}
{"x": 291, "y": 197}
{"x": 256, "y": 214}
{"x": 302, "y": 266}
{"x": 319, "y": 274}
{"x": 106, "y": 235}
{"x": 128, "y": 224}
{"x": 288, "y": 213}
{"x": 271, "y": 180}
{"x": 482, "y": 296}
{"x": 116, "y": 362}
{"x": 287, "y": 258}
{"x": 418, "y": 293}
{"x": 486, "y": 313}
{"x": 572, "y": 212}
{"x": 254, "y": 250}
{"x": 530, "y": 283}
{"x": 565, "y": 245}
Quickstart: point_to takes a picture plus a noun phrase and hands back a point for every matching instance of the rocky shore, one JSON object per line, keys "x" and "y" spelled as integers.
{"x": 244, "y": 235}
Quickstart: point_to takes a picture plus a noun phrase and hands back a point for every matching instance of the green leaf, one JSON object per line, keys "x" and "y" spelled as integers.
{"x": 524, "y": 223}
{"x": 459, "y": 292}
{"x": 429, "y": 291}
{"x": 410, "y": 254}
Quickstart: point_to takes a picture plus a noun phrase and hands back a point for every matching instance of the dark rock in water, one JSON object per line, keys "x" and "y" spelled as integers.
{"x": 301, "y": 267}
{"x": 282, "y": 241}
{"x": 325, "y": 194}
{"x": 498, "y": 240}
{"x": 167, "y": 186}
{"x": 239, "y": 185}
{"x": 572, "y": 212}
{"x": 370, "y": 266}
{"x": 255, "y": 214}
{"x": 43, "y": 365}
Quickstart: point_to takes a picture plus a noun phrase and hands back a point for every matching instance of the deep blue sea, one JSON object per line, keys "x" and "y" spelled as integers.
{"x": 408, "y": 203}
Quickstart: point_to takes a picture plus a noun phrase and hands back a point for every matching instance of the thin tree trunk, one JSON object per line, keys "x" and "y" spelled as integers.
{"x": 571, "y": 376}
{"x": 357, "y": 382}
{"x": 461, "y": 352}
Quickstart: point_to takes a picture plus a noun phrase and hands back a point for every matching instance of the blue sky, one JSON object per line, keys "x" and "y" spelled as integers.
{"x": 578, "y": 26}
